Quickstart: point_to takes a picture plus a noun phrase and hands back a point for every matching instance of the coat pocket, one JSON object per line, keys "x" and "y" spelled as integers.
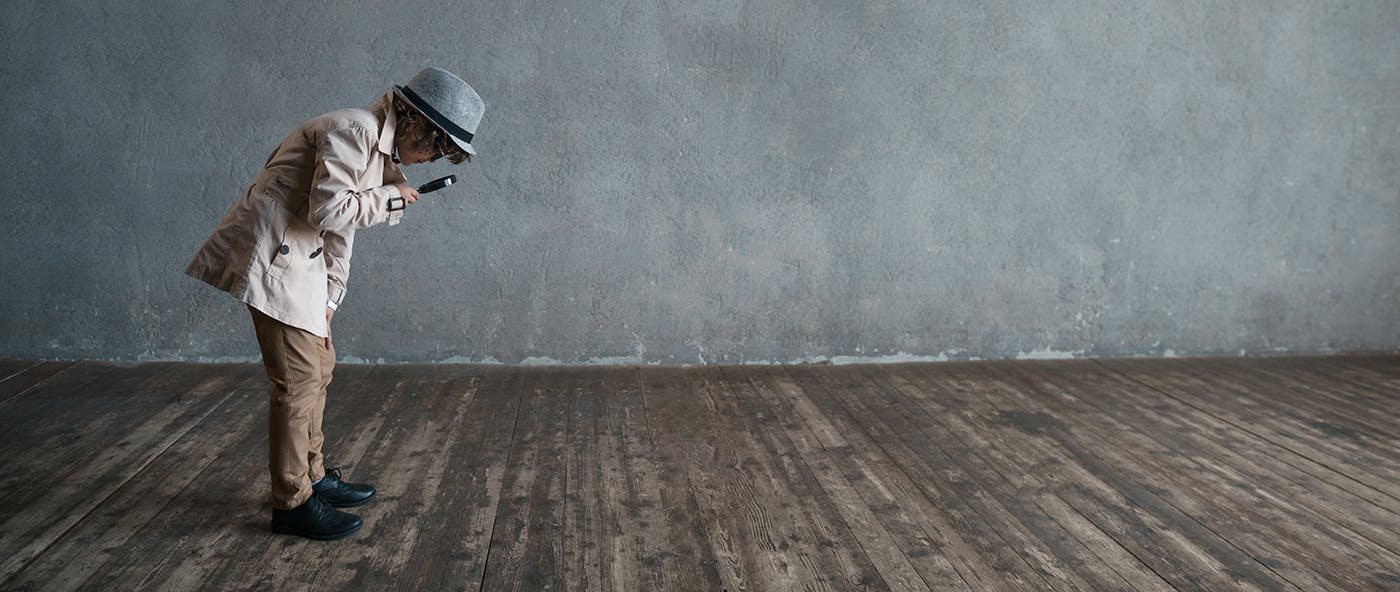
{"x": 281, "y": 260}
{"x": 296, "y": 251}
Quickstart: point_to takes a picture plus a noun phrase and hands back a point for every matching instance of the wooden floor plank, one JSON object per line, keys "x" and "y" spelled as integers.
{"x": 742, "y": 531}
{"x": 1174, "y": 545}
{"x": 1209, "y": 440}
{"x": 736, "y": 489}
{"x": 110, "y": 450}
{"x": 79, "y": 554}
{"x": 1312, "y": 557}
{"x": 10, "y": 368}
{"x": 935, "y": 415}
{"x": 705, "y": 449}
{"x": 585, "y": 535}
{"x": 406, "y": 461}
{"x": 655, "y": 541}
{"x": 1020, "y": 562}
{"x": 218, "y": 536}
{"x": 1259, "y": 447}
{"x": 17, "y": 379}
{"x": 791, "y": 514}
{"x": 673, "y": 409}
{"x": 1382, "y": 373}
{"x": 1132, "y": 475}
{"x": 1061, "y": 559}
{"x": 879, "y": 538}
{"x": 48, "y": 410}
{"x": 1334, "y": 408}
{"x": 525, "y": 544}
{"x": 401, "y": 457}
{"x": 1279, "y": 425}
{"x": 450, "y": 552}
{"x": 781, "y": 444}
{"x": 1388, "y": 364}
{"x": 357, "y": 412}
{"x": 1329, "y": 399}
{"x": 879, "y": 499}
{"x": 1296, "y": 479}
{"x": 1029, "y": 480}
{"x": 1373, "y": 382}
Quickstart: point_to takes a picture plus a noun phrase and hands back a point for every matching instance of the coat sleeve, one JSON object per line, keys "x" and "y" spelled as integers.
{"x": 337, "y": 202}
{"x": 338, "y": 245}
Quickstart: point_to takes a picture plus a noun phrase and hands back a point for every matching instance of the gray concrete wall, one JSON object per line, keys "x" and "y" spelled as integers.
{"x": 704, "y": 181}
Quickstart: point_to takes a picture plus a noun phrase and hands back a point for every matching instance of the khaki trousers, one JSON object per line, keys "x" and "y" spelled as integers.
{"x": 299, "y": 365}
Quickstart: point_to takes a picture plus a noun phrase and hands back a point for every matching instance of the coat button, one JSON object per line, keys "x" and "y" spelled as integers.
{"x": 316, "y": 253}
{"x": 284, "y": 250}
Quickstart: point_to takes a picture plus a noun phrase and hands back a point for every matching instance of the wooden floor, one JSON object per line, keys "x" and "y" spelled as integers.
{"x": 1152, "y": 475}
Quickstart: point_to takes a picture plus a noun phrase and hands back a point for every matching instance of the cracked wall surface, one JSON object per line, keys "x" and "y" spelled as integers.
{"x": 732, "y": 182}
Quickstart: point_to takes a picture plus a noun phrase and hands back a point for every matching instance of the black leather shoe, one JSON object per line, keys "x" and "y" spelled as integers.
{"x": 341, "y": 494}
{"x": 315, "y": 519}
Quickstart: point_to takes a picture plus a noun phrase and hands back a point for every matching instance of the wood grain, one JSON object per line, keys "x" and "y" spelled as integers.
{"x": 1114, "y": 475}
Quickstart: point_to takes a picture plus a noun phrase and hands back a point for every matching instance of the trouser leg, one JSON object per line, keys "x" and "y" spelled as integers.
{"x": 293, "y": 359}
{"x": 316, "y": 466}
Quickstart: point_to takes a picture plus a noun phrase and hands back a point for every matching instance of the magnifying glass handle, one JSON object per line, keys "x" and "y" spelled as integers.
{"x": 437, "y": 184}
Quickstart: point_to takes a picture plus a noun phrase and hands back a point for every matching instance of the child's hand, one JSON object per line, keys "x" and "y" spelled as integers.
{"x": 330, "y": 312}
{"x": 409, "y": 194}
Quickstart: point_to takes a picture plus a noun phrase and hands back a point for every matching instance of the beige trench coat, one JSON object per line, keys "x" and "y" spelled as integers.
{"x": 284, "y": 247}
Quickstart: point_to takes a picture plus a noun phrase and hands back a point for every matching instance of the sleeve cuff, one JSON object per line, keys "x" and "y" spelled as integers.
{"x": 395, "y": 204}
{"x": 332, "y": 305}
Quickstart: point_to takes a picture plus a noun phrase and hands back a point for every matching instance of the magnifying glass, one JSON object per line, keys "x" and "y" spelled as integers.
{"x": 437, "y": 184}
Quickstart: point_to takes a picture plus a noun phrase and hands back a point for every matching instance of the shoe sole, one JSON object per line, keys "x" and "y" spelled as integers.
{"x": 320, "y": 536}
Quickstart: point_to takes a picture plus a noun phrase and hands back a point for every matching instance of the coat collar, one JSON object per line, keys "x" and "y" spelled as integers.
{"x": 384, "y": 108}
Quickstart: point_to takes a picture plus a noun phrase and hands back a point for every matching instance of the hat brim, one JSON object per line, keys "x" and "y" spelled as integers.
{"x": 465, "y": 146}
{"x": 432, "y": 116}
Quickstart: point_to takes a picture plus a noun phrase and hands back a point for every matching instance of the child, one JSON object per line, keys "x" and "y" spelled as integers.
{"x": 284, "y": 250}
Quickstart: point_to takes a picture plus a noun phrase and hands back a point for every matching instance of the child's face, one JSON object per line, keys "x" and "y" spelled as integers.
{"x": 411, "y": 155}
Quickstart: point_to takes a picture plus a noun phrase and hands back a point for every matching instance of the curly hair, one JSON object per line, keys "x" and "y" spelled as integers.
{"x": 423, "y": 135}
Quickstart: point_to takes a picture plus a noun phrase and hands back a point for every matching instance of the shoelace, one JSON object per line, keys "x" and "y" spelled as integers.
{"x": 333, "y": 472}
{"x": 320, "y": 506}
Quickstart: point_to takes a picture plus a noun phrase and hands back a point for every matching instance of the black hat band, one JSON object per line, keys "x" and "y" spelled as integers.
{"x": 438, "y": 118}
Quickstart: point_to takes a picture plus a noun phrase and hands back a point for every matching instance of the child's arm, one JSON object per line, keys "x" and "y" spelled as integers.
{"x": 336, "y": 203}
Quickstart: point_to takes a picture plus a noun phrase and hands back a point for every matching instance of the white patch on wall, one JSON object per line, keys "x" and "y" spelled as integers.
{"x": 1048, "y": 354}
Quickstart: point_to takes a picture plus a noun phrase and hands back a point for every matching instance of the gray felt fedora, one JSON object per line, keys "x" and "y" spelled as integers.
{"x": 447, "y": 101}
